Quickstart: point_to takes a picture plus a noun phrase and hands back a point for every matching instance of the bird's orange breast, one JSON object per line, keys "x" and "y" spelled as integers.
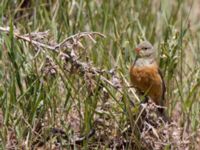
{"x": 148, "y": 80}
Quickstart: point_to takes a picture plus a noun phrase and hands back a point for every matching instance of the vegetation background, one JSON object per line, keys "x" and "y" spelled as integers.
{"x": 37, "y": 93}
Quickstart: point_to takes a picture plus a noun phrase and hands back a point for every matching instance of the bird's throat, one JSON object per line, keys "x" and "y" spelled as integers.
{"x": 140, "y": 62}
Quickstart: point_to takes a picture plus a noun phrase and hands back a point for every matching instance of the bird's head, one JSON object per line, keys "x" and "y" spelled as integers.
{"x": 145, "y": 50}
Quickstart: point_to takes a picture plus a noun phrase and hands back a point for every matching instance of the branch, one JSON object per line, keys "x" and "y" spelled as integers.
{"x": 72, "y": 40}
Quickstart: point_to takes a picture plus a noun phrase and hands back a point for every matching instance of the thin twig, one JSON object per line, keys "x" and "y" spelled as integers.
{"x": 55, "y": 47}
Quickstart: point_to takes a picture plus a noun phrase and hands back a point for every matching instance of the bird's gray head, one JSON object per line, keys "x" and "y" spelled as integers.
{"x": 145, "y": 50}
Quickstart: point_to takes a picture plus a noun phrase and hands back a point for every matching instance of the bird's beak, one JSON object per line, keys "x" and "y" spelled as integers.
{"x": 137, "y": 50}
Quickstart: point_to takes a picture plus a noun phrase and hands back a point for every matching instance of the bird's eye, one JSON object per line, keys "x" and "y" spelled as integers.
{"x": 145, "y": 48}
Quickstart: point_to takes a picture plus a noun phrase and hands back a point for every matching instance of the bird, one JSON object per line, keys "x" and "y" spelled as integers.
{"x": 145, "y": 74}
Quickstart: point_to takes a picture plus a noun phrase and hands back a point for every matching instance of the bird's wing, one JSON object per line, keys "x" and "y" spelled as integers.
{"x": 163, "y": 84}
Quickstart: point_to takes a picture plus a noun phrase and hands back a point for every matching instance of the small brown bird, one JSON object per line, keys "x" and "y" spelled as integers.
{"x": 145, "y": 74}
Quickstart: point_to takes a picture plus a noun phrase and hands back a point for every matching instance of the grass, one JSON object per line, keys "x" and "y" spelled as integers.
{"x": 37, "y": 93}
